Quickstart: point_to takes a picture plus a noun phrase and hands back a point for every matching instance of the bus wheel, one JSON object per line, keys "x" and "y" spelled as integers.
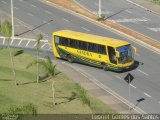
{"x": 69, "y": 58}
{"x": 105, "y": 67}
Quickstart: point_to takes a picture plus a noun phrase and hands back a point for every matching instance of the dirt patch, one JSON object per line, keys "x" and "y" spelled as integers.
{"x": 69, "y": 4}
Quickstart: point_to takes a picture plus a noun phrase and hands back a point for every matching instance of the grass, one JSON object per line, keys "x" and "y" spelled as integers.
{"x": 40, "y": 94}
{"x": 156, "y": 1}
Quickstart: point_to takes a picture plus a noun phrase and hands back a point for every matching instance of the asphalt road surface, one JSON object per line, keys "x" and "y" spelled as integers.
{"x": 146, "y": 83}
{"x": 128, "y": 15}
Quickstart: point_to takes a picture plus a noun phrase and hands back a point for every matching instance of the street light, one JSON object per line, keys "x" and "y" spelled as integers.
{"x": 12, "y": 19}
{"x": 100, "y": 9}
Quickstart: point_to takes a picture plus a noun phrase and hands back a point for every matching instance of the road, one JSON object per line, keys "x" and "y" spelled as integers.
{"x": 146, "y": 83}
{"x": 26, "y": 43}
{"x": 128, "y": 15}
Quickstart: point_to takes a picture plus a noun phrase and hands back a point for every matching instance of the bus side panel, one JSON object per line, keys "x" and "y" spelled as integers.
{"x": 83, "y": 56}
{"x": 55, "y": 52}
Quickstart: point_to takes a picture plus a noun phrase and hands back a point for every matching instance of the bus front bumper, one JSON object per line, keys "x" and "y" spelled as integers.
{"x": 122, "y": 68}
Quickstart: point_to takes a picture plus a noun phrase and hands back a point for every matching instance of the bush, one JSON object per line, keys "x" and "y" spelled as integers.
{"x": 82, "y": 95}
{"x": 16, "y": 112}
{"x": 156, "y": 1}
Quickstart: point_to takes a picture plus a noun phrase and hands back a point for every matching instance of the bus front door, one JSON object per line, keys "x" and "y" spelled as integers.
{"x": 112, "y": 55}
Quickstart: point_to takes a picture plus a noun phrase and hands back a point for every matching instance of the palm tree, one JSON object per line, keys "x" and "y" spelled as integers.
{"x": 39, "y": 37}
{"x": 0, "y": 26}
{"x": 50, "y": 69}
{"x": 6, "y": 30}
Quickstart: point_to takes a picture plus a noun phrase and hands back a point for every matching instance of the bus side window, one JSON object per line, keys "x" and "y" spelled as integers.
{"x": 82, "y": 45}
{"x": 90, "y": 45}
{"x": 76, "y": 44}
{"x": 95, "y": 48}
{"x": 60, "y": 40}
{"x": 72, "y": 43}
{"x": 101, "y": 49}
{"x": 65, "y": 42}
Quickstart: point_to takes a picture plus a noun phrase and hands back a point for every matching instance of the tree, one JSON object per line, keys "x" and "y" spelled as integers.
{"x": 39, "y": 37}
{"x": 6, "y": 30}
{"x": 50, "y": 70}
{"x": 0, "y": 26}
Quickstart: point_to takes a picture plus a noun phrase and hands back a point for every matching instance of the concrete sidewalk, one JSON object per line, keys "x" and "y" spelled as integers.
{"x": 147, "y": 4}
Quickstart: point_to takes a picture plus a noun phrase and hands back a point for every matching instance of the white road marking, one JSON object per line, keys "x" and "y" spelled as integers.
{"x": 30, "y": 14}
{"x": 159, "y": 102}
{"x": 16, "y": 8}
{"x": 4, "y": 2}
{"x": 11, "y": 42}
{"x": 142, "y": 72}
{"x": 118, "y": 77}
{"x": 84, "y": 74}
{"x": 3, "y": 41}
{"x": 35, "y": 44}
{"x": 147, "y": 94}
{"x": 33, "y": 6}
{"x": 48, "y": 12}
{"x": 66, "y": 20}
{"x": 85, "y": 28}
{"x": 134, "y": 20}
{"x": 20, "y": 42}
{"x": 27, "y": 43}
{"x": 43, "y": 45}
{"x": 154, "y": 29}
{"x": 133, "y": 86}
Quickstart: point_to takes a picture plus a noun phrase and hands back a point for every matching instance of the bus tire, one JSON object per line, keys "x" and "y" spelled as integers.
{"x": 69, "y": 58}
{"x": 104, "y": 67}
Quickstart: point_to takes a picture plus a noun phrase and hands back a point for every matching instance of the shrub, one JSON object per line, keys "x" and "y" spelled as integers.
{"x": 82, "y": 95}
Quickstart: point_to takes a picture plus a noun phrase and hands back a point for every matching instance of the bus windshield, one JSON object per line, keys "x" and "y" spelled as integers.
{"x": 126, "y": 54}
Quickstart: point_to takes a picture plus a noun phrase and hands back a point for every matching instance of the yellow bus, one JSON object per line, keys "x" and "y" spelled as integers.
{"x": 103, "y": 52}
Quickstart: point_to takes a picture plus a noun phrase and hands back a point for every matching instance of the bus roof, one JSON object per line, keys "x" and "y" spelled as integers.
{"x": 90, "y": 38}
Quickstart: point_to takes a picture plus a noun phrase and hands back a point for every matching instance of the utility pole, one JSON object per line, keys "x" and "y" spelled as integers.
{"x": 12, "y": 19}
{"x": 100, "y": 12}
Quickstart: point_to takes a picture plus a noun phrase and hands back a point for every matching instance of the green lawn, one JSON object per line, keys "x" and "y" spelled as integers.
{"x": 156, "y": 1}
{"x": 40, "y": 94}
